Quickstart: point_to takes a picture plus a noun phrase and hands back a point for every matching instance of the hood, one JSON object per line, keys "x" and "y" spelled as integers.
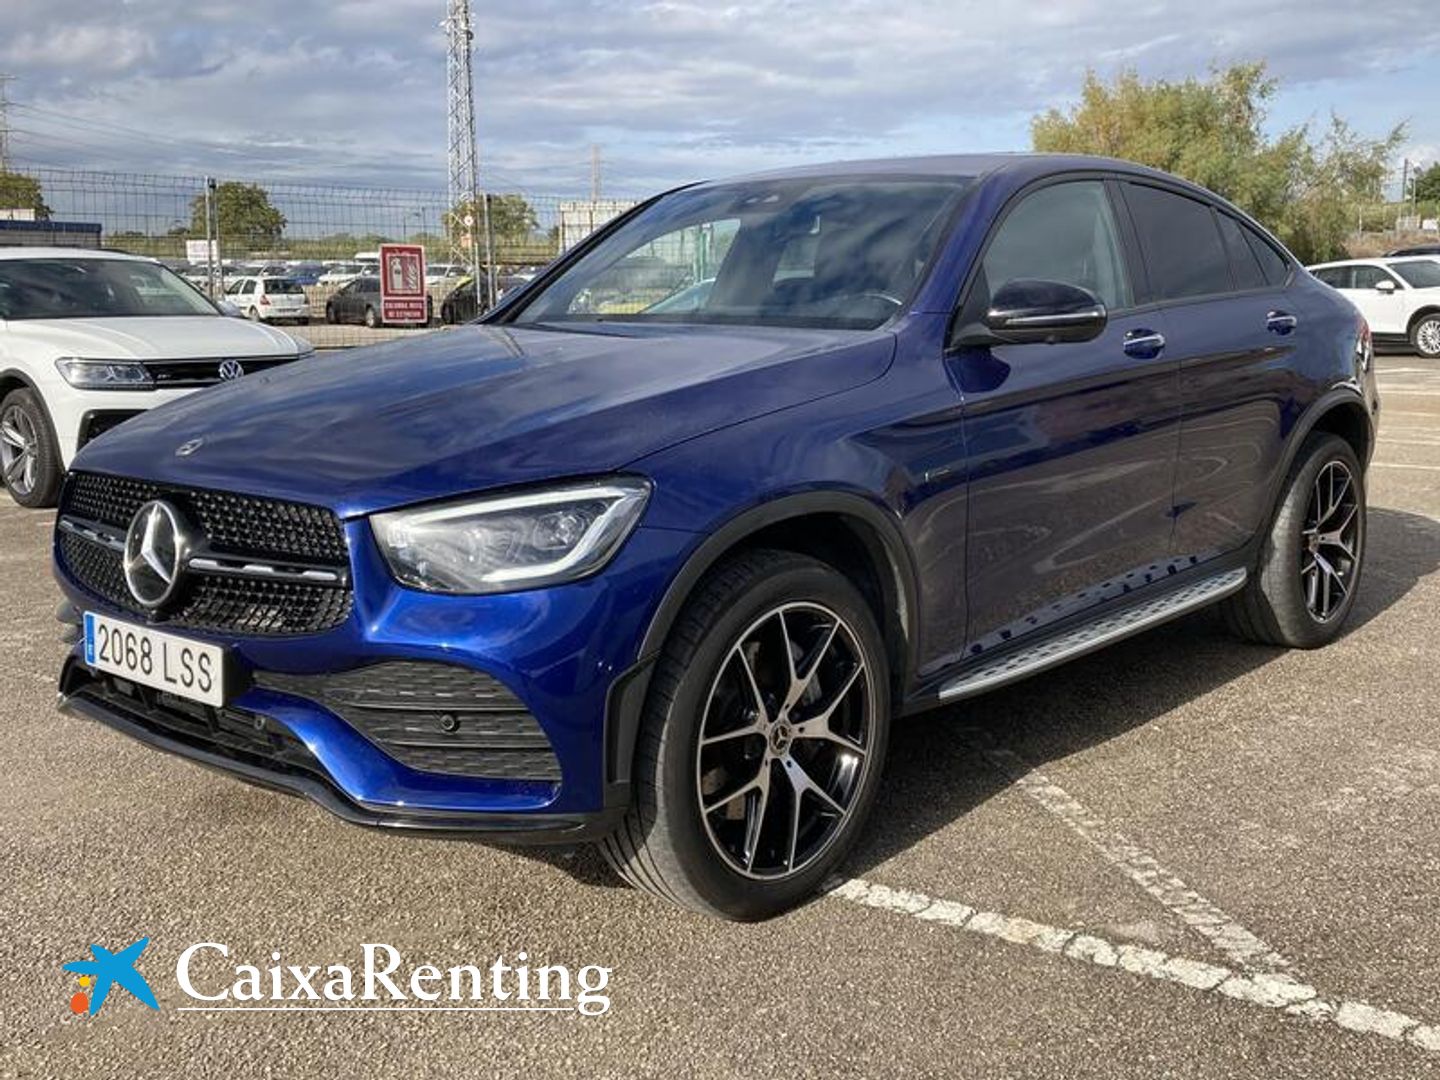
{"x": 176, "y": 337}
{"x": 479, "y": 407}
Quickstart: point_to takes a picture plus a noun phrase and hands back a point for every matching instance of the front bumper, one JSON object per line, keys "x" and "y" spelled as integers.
{"x": 569, "y": 654}
{"x": 275, "y": 759}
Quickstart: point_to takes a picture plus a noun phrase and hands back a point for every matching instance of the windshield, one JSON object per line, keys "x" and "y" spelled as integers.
{"x": 1419, "y": 275}
{"x": 283, "y": 285}
{"x": 828, "y": 252}
{"x": 88, "y": 288}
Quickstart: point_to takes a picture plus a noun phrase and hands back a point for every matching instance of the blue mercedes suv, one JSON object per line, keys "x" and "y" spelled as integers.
{"x": 652, "y": 554}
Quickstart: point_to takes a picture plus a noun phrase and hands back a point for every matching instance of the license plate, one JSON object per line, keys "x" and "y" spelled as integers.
{"x": 188, "y": 669}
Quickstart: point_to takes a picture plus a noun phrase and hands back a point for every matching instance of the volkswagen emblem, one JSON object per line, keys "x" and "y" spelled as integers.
{"x": 231, "y": 369}
{"x": 188, "y": 447}
{"x": 156, "y": 546}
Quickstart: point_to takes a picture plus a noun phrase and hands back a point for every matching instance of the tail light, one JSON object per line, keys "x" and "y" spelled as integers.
{"x": 265, "y": 302}
{"x": 1364, "y": 347}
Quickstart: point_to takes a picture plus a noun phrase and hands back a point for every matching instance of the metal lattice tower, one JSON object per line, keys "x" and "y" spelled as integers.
{"x": 467, "y": 234}
{"x": 4, "y": 124}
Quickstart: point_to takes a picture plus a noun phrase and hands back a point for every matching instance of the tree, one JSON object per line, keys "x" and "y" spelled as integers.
{"x": 21, "y": 192}
{"x": 1305, "y": 190}
{"x": 512, "y": 221}
{"x": 244, "y": 214}
{"x": 1427, "y": 184}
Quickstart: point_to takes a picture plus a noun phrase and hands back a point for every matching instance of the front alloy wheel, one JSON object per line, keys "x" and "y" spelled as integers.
{"x": 783, "y": 741}
{"x": 29, "y": 459}
{"x": 763, "y": 739}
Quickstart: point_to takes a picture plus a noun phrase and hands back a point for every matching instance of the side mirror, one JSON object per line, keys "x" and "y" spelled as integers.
{"x": 1026, "y": 312}
{"x": 227, "y": 308}
{"x": 1385, "y": 285}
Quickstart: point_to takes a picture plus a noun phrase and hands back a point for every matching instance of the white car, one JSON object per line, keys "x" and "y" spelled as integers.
{"x": 267, "y": 298}
{"x": 341, "y": 273}
{"x": 1399, "y": 297}
{"x": 89, "y": 339}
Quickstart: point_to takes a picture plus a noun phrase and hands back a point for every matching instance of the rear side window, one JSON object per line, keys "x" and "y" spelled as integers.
{"x": 1274, "y": 265}
{"x": 1181, "y": 244}
{"x": 1244, "y": 265}
{"x": 1064, "y": 232}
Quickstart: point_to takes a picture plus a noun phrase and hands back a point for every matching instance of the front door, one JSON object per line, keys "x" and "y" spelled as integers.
{"x": 1072, "y": 446}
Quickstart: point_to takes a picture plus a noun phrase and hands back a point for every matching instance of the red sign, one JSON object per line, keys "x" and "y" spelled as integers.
{"x": 402, "y": 284}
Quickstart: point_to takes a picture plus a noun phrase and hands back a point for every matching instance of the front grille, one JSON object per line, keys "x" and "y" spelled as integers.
{"x": 238, "y": 526}
{"x": 174, "y": 374}
{"x": 434, "y": 717}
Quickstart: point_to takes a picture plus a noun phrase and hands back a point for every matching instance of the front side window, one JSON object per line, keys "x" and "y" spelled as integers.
{"x": 1369, "y": 277}
{"x": 89, "y": 288}
{"x": 1066, "y": 233}
{"x": 840, "y": 252}
{"x": 1419, "y": 275}
{"x": 1181, "y": 243}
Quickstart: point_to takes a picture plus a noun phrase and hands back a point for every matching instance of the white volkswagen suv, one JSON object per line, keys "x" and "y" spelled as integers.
{"x": 89, "y": 339}
{"x": 1399, "y": 297}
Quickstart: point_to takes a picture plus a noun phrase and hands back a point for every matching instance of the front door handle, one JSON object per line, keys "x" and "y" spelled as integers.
{"x": 1280, "y": 322}
{"x": 1144, "y": 344}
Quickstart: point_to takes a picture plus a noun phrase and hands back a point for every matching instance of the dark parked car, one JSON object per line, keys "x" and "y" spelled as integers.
{"x": 459, "y": 304}
{"x": 358, "y": 301}
{"x": 1418, "y": 249}
{"x": 592, "y": 568}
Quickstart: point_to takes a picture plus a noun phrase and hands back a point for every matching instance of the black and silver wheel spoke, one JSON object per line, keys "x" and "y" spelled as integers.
{"x": 791, "y": 696}
{"x": 1330, "y": 541}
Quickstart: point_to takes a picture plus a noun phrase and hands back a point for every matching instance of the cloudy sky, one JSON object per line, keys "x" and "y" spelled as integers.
{"x": 353, "y": 91}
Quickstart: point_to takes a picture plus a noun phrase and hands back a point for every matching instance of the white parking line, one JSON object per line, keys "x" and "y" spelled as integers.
{"x": 1244, "y": 949}
{"x": 1403, "y": 465}
{"x": 1269, "y": 991}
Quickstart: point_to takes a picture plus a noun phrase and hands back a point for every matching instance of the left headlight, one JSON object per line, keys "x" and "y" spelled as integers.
{"x": 510, "y": 542}
{"x": 85, "y": 374}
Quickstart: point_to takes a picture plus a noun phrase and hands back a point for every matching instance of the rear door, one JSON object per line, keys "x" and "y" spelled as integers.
{"x": 1233, "y": 327}
{"x": 1071, "y": 447}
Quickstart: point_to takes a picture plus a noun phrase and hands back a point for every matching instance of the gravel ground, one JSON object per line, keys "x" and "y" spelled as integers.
{"x": 1176, "y": 798}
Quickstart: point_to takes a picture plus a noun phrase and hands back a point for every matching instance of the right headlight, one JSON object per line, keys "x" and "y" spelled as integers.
{"x": 85, "y": 374}
{"x": 509, "y": 542}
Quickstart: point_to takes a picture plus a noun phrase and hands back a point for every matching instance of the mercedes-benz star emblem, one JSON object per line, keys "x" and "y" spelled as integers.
{"x": 231, "y": 369}
{"x": 155, "y": 549}
{"x": 185, "y": 449}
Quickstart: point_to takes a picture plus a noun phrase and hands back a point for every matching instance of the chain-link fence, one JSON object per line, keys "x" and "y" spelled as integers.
{"x": 230, "y": 237}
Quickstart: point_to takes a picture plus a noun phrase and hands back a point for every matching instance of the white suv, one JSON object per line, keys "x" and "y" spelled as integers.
{"x": 268, "y": 298}
{"x": 89, "y": 339}
{"x": 1399, "y": 297}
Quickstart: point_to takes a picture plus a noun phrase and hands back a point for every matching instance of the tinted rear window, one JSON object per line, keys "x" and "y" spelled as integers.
{"x": 1244, "y": 266}
{"x": 1419, "y": 275}
{"x": 282, "y": 285}
{"x": 1182, "y": 246}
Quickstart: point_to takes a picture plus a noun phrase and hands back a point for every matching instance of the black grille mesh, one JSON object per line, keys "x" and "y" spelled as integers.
{"x": 233, "y": 524}
{"x": 433, "y": 717}
{"x": 238, "y": 524}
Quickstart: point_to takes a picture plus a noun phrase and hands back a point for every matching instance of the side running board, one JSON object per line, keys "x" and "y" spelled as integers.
{"x": 1024, "y": 662}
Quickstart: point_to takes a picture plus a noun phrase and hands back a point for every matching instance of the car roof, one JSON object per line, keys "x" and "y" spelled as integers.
{"x": 1377, "y": 260}
{"x": 22, "y": 252}
{"x": 961, "y": 165}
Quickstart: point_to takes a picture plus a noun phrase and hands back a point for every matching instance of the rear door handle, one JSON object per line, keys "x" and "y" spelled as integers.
{"x": 1280, "y": 322}
{"x": 1144, "y": 344}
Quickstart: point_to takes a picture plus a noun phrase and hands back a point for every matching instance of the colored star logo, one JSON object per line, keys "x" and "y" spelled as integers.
{"x": 105, "y": 971}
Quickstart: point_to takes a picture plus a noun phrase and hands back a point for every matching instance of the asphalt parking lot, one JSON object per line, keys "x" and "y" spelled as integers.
{"x": 1179, "y": 857}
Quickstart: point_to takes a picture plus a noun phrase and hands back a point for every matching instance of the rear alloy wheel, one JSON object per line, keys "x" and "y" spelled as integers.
{"x": 1309, "y": 568}
{"x": 1425, "y": 337}
{"x": 29, "y": 458}
{"x": 370, "y": 320}
{"x": 764, "y": 736}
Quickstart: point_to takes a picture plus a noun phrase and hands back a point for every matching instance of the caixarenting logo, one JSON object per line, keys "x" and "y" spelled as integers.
{"x": 382, "y": 980}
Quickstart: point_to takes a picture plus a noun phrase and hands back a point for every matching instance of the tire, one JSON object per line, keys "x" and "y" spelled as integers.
{"x": 330, "y": 314}
{"x": 28, "y": 450}
{"x": 1278, "y": 605}
{"x": 305, "y": 321}
{"x": 667, "y": 844}
{"x": 370, "y": 320}
{"x": 253, "y": 314}
{"x": 1425, "y": 336}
